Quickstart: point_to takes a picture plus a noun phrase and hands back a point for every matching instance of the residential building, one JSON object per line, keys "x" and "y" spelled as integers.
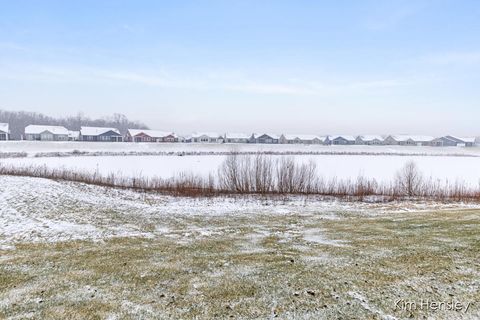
{"x": 342, "y": 140}
{"x": 300, "y": 139}
{"x": 237, "y": 138}
{"x": 205, "y": 137}
{"x": 451, "y": 141}
{"x": 141, "y": 135}
{"x": 370, "y": 140}
{"x": 4, "y": 132}
{"x": 73, "y": 135}
{"x": 265, "y": 138}
{"x": 100, "y": 134}
{"x": 46, "y": 133}
{"x": 408, "y": 140}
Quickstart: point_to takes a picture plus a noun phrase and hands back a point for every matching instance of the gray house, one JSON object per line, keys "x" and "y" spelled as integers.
{"x": 300, "y": 139}
{"x": 4, "y": 132}
{"x": 369, "y": 140}
{"x": 266, "y": 138}
{"x": 407, "y": 140}
{"x": 451, "y": 141}
{"x": 46, "y": 133}
{"x": 343, "y": 140}
{"x": 100, "y": 134}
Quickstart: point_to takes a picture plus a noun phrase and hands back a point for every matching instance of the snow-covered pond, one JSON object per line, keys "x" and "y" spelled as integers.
{"x": 380, "y": 167}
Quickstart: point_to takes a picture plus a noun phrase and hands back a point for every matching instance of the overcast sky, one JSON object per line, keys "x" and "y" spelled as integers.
{"x": 282, "y": 66}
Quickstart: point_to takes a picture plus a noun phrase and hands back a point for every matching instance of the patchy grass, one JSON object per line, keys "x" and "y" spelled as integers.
{"x": 255, "y": 266}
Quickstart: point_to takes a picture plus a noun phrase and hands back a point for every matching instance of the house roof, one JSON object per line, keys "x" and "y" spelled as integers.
{"x": 237, "y": 136}
{"x": 346, "y": 137}
{"x": 371, "y": 137}
{"x": 413, "y": 138}
{"x": 151, "y": 133}
{"x": 96, "y": 131}
{"x": 36, "y": 129}
{"x": 208, "y": 134}
{"x": 271, "y": 135}
{"x": 464, "y": 139}
{"x": 305, "y": 137}
{"x": 4, "y": 127}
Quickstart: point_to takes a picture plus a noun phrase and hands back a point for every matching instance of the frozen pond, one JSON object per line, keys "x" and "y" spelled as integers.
{"x": 380, "y": 167}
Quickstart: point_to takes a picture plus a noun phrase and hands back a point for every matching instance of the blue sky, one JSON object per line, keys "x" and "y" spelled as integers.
{"x": 283, "y": 66}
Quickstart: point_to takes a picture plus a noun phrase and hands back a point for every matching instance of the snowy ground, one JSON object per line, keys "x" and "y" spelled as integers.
{"x": 34, "y": 147}
{"x": 381, "y": 167}
{"x": 73, "y": 251}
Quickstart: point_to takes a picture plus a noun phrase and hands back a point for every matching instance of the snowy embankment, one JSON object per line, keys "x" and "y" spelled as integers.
{"x": 113, "y": 254}
{"x": 44, "y": 148}
{"x": 41, "y": 210}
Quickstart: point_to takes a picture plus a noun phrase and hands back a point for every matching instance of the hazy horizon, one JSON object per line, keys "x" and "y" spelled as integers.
{"x": 330, "y": 67}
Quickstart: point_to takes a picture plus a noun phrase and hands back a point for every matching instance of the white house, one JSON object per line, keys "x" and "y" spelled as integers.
{"x": 4, "y": 131}
{"x": 141, "y": 135}
{"x": 46, "y": 133}
{"x": 300, "y": 139}
{"x": 237, "y": 137}
{"x": 369, "y": 140}
{"x": 73, "y": 135}
{"x": 408, "y": 140}
{"x": 205, "y": 137}
{"x": 100, "y": 134}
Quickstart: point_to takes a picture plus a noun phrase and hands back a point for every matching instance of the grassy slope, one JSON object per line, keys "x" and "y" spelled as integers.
{"x": 253, "y": 267}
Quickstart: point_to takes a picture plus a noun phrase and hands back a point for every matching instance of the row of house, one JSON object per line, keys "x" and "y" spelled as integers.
{"x": 400, "y": 140}
{"x": 268, "y": 138}
{"x": 59, "y": 133}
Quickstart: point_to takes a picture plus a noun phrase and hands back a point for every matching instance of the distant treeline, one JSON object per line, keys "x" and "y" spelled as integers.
{"x": 18, "y": 120}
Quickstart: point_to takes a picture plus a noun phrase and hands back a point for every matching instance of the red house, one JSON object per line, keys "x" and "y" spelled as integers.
{"x": 140, "y": 135}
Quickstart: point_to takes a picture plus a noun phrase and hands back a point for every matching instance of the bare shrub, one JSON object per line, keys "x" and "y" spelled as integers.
{"x": 409, "y": 180}
{"x": 247, "y": 174}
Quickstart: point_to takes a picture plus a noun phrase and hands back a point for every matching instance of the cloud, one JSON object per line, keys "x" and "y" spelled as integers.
{"x": 232, "y": 81}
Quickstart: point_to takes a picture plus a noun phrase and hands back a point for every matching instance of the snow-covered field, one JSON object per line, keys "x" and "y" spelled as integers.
{"x": 381, "y": 167}
{"x": 33, "y": 209}
{"x": 34, "y": 147}
{"x": 74, "y": 251}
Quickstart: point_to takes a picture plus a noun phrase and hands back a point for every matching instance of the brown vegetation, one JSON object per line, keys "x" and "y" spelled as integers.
{"x": 261, "y": 174}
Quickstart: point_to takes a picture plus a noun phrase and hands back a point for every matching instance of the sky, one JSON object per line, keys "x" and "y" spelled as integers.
{"x": 303, "y": 66}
